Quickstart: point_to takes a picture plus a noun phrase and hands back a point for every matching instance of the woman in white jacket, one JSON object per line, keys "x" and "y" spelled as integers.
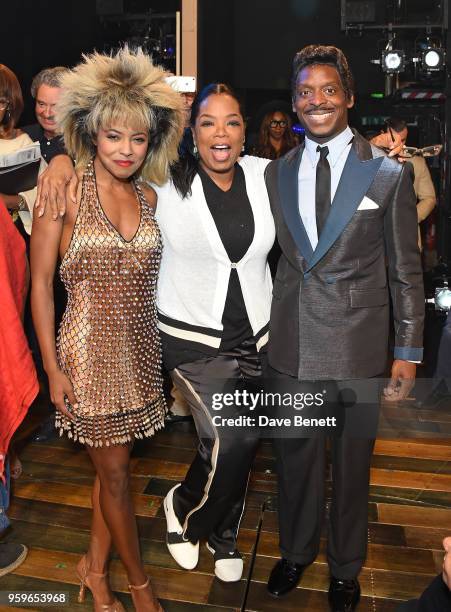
{"x": 214, "y": 297}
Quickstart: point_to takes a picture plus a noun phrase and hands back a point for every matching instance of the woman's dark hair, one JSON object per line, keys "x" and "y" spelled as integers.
{"x": 11, "y": 91}
{"x": 323, "y": 54}
{"x": 185, "y": 169}
{"x": 263, "y": 146}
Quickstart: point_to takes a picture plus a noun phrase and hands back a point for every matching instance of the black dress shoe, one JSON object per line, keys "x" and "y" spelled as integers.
{"x": 438, "y": 396}
{"x": 284, "y": 577}
{"x": 344, "y": 595}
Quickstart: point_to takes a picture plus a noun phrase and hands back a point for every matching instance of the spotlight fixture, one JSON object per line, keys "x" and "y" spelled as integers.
{"x": 393, "y": 61}
{"x": 432, "y": 59}
{"x": 442, "y": 298}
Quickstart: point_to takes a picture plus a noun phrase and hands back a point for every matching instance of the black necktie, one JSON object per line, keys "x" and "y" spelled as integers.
{"x": 322, "y": 193}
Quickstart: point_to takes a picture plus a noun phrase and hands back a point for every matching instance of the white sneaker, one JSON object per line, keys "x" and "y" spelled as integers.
{"x": 183, "y": 551}
{"x": 228, "y": 567}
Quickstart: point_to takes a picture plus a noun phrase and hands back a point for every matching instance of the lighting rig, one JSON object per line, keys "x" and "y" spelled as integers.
{"x": 154, "y": 32}
{"x": 428, "y": 58}
{"x": 415, "y": 45}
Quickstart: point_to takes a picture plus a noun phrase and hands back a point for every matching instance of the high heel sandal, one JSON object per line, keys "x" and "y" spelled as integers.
{"x": 141, "y": 587}
{"x": 83, "y": 576}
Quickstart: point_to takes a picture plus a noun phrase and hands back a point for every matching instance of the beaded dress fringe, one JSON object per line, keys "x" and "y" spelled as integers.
{"x": 114, "y": 429}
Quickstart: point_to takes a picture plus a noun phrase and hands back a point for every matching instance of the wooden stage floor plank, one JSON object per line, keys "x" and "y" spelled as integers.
{"x": 78, "y": 495}
{"x": 409, "y": 513}
{"x": 174, "y": 584}
{"x": 420, "y": 449}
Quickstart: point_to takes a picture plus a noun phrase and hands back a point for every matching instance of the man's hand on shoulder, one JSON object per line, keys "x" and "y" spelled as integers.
{"x": 57, "y": 185}
{"x": 402, "y": 380}
{"x": 393, "y": 147}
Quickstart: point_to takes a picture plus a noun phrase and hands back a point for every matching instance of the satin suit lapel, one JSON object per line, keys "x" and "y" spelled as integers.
{"x": 289, "y": 189}
{"x": 357, "y": 176}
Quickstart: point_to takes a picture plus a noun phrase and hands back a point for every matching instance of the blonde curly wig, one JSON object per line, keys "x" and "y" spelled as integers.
{"x": 122, "y": 89}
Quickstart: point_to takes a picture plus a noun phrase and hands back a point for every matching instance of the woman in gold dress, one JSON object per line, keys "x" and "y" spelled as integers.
{"x": 122, "y": 123}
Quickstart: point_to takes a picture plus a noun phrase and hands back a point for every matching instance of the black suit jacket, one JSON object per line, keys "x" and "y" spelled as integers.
{"x": 330, "y": 310}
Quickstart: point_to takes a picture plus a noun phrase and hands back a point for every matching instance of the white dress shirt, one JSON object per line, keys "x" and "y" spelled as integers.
{"x": 339, "y": 148}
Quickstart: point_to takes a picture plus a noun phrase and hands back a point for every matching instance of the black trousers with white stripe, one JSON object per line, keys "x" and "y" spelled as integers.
{"x": 210, "y": 501}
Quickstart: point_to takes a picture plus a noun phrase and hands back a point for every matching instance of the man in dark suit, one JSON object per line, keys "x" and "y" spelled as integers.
{"x": 342, "y": 209}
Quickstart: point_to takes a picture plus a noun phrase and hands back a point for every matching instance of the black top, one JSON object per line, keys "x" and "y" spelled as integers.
{"x": 232, "y": 214}
{"x": 49, "y": 148}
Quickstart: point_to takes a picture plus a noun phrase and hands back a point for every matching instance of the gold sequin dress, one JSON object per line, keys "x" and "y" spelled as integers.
{"x": 108, "y": 343}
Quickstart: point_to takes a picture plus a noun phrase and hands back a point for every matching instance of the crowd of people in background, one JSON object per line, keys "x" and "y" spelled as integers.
{"x": 156, "y": 168}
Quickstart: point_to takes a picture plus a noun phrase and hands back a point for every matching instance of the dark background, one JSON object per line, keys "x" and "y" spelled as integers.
{"x": 248, "y": 43}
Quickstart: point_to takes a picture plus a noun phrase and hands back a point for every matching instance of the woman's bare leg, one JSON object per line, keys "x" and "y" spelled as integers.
{"x": 112, "y": 466}
{"x": 100, "y": 544}
{"x": 99, "y": 549}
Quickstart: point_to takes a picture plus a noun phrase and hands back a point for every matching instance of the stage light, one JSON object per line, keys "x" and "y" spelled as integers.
{"x": 393, "y": 61}
{"x": 442, "y": 298}
{"x": 432, "y": 59}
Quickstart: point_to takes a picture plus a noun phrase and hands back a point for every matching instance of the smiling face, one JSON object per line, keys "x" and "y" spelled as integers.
{"x": 219, "y": 133}
{"x": 46, "y": 99}
{"x": 321, "y": 103}
{"x": 121, "y": 150}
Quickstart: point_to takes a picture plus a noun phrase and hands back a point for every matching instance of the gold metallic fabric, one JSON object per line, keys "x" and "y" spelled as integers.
{"x": 108, "y": 342}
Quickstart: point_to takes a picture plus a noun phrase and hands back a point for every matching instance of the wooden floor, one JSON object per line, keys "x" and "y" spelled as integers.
{"x": 409, "y": 510}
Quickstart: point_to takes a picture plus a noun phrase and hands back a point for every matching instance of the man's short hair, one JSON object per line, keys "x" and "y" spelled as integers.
{"x": 323, "y": 54}
{"x": 49, "y": 76}
{"x": 397, "y": 124}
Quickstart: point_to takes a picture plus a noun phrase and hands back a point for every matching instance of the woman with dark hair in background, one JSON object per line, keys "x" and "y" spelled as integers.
{"x": 275, "y": 137}
{"x": 13, "y": 140}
